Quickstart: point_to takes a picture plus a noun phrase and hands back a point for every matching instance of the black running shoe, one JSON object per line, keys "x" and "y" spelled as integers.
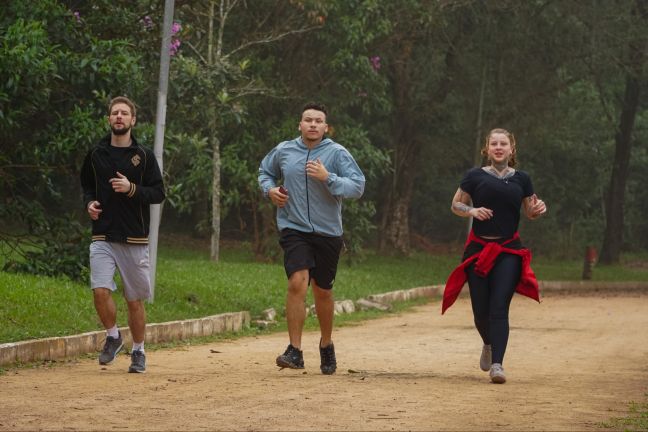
{"x": 138, "y": 362}
{"x": 327, "y": 356}
{"x": 110, "y": 349}
{"x": 292, "y": 358}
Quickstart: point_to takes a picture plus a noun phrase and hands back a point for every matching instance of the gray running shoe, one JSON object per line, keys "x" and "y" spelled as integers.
{"x": 327, "y": 356}
{"x": 292, "y": 358}
{"x": 110, "y": 349}
{"x": 497, "y": 374}
{"x": 138, "y": 362}
{"x": 486, "y": 358}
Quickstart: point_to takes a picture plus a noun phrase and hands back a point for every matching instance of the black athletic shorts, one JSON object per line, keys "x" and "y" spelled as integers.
{"x": 319, "y": 254}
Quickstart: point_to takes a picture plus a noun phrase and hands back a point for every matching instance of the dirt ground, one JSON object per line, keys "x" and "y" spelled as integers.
{"x": 572, "y": 363}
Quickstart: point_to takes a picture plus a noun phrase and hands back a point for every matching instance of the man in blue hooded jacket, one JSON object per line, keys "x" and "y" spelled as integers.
{"x": 316, "y": 174}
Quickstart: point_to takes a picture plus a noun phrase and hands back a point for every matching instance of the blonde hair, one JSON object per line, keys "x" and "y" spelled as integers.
{"x": 484, "y": 151}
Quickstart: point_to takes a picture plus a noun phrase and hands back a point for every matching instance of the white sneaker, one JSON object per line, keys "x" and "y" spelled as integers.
{"x": 497, "y": 374}
{"x": 486, "y": 358}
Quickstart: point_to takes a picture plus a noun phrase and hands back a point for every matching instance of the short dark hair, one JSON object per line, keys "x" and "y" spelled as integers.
{"x": 315, "y": 106}
{"x": 124, "y": 100}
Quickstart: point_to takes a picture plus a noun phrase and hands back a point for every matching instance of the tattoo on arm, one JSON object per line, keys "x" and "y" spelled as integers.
{"x": 462, "y": 207}
{"x": 461, "y": 203}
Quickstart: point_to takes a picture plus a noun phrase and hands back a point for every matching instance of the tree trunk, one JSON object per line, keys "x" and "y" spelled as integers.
{"x": 395, "y": 222}
{"x": 395, "y": 230}
{"x": 216, "y": 166}
{"x": 613, "y": 236}
{"x": 215, "y": 145}
{"x": 266, "y": 248}
{"x": 480, "y": 119}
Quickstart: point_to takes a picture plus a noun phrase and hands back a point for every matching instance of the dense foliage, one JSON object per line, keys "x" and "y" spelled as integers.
{"x": 413, "y": 87}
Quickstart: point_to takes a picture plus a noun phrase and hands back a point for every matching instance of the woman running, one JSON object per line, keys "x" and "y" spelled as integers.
{"x": 495, "y": 263}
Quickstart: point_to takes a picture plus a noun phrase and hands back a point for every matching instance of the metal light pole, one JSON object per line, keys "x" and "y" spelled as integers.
{"x": 160, "y": 121}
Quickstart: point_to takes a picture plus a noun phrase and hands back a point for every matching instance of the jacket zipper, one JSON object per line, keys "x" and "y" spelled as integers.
{"x": 307, "y": 197}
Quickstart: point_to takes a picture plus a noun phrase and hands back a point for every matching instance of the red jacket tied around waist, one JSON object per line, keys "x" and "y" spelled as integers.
{"x": 485, "y": 259}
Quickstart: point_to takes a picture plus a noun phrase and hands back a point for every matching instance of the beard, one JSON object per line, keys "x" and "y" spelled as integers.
{"x": 123, "y": 131}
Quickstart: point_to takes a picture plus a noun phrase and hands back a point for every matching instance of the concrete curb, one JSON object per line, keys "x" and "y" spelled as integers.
{"x": 592, "y": 286}
{"x": 57, "y": 348}
{"x": 409, "y": 294}
{"x": 545, "y": 286}
{"x": 579, "y": 286}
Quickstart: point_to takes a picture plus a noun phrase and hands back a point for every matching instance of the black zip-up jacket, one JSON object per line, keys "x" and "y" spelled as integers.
{"x": 125, "y": 216}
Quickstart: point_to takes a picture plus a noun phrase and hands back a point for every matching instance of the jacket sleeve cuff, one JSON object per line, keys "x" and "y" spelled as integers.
{"x": 331, "y": 179}
{"x": 133, "y": 189}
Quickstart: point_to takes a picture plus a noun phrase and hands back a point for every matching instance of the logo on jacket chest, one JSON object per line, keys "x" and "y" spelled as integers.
{"x": 135, "y": 160}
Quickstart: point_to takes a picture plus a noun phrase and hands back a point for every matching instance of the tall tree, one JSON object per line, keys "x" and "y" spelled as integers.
{"x": 215, "y": 72}
{"x": 422, "y": 51}
{"x": 58, "y": 69}
{"x": 633, "y": 65}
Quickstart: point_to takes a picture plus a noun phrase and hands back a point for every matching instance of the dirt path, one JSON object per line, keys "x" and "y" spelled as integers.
{"x": 572, "y": 363}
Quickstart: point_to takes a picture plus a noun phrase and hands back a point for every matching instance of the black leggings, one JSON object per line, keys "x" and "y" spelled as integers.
{"x": 491, "y": 297}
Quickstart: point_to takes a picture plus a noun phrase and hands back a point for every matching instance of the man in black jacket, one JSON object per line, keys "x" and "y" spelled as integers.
{"x": 120, "y": 179}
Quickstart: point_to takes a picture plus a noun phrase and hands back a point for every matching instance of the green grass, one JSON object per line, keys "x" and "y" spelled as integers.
{"x": 36, "y": 307}
{"x": 632, "y": 268}
{"x": 636, "y": 420}
{"x": 191, "y": 286}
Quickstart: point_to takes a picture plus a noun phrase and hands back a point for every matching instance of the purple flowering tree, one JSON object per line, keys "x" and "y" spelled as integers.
{"x": 175, "y": 38}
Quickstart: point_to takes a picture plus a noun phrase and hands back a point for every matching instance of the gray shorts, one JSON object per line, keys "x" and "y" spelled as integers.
{"x": 132, "y": 262}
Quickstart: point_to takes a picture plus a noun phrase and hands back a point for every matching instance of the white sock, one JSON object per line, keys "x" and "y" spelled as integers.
{"x": 138, "y": 346}
{"x": 113, "y": 332}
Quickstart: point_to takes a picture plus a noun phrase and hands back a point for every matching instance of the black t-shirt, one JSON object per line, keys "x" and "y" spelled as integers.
{"x": 503, "y": 196}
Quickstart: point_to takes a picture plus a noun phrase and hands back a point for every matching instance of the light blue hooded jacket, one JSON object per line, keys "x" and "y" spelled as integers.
{"x": 313, "y": 206}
